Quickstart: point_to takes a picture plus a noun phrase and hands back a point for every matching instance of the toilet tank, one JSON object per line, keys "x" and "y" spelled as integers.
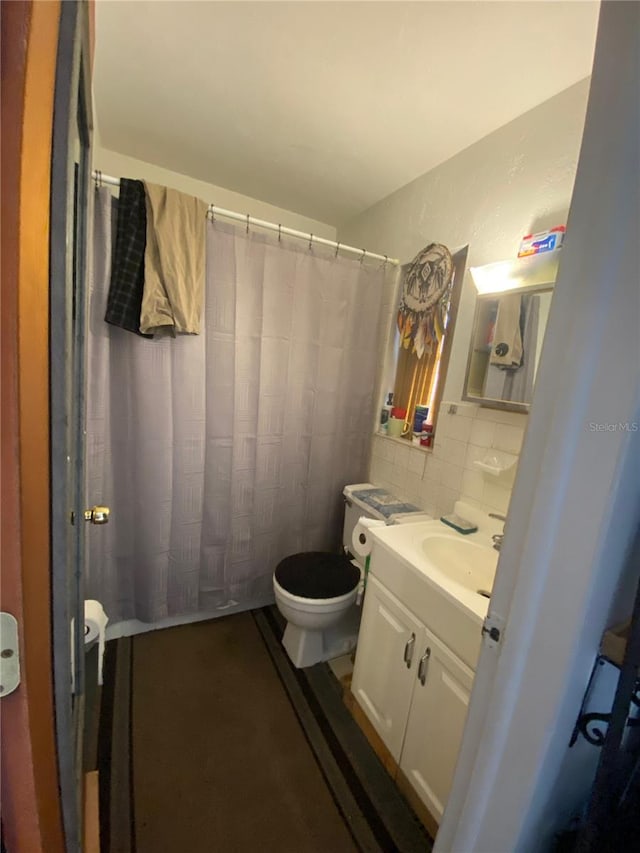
{"x": 373, "y": 502}
{"x": 353, "y": 510}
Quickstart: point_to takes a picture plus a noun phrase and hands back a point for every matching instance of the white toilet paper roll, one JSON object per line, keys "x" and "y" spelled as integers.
{"x": 361, "y": 538}
{"x": 95, "y": 625}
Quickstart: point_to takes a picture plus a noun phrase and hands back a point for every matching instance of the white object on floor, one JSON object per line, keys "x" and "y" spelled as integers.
{"x": 95, "y": 625}
{"x": 342, "y": 666}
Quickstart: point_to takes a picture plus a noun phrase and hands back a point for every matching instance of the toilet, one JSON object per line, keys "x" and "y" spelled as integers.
{"x": 316, "y": 591}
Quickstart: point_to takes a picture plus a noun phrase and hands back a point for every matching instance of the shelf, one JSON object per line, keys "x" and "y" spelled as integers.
{"x": 405, "y": 442}
{"x": 496, "y": 462}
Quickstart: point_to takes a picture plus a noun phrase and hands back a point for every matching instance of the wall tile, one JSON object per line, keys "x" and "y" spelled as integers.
{"x": 412, "y": 487}
{"x": 376, "y": 446}
{"x": 474, "y": 453}
{"x": 473, "y": 502}
{"x": 384, "y": 470}
{"x": 467, "y": 410}
{"x": 428, "y": 494}
{"x": 374, "y": 469}
{"x": 451, "y": 476}
{"x": 484, "y": 414}
{"x": 508, "y": 438}
{"x": 444, "y": 423}
{"x": 439, "y": 451}
{"x": 433, "y": 469}
{"x": 482, "y": 432}
{"x": 501, "y": 417}
{"x": 417, "y": 459}
{"x": 454, "y": 451}
{"x": 460, "y": 428}
{"x": 445, "y": 501}
{"x": 387, "y": 449}
{"x": 473, "y": 485}
{"x": 496, "y": 497}
{"x": 434, "y": 481}
{"x": 401, "y": 456}
{"x": 398, "y": 476}
{"x": 463, "y": 409}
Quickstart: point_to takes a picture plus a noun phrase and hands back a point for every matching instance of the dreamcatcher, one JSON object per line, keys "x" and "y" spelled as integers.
{"x": 425, "y": 297}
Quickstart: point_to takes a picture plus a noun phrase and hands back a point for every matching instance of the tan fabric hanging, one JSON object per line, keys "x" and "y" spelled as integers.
{"x": 174, "y": 262}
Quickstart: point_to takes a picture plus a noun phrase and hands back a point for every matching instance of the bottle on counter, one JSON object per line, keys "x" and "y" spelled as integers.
{"x": 426, "y": 436}
{"x": 385, "y": 414}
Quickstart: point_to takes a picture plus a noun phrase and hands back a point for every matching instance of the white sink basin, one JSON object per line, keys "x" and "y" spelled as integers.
{"x": 463, "y": 561}
{"x": 443, "y": 577}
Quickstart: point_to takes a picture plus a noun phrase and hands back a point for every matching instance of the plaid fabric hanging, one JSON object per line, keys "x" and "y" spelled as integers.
{"x": 425, "y": 296}
{"x": 127, "y": 272}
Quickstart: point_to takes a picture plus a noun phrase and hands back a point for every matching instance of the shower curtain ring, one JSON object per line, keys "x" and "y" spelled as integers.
{"x": 310, "y": 241}
{"x": 98, "y": 178}
{"x": 279, "y": 233}
{"x": 213, "y": 213}
{"x": 337, "y": 248}
{"x": 247, "y": 223}
{"x": 364, "y": 252}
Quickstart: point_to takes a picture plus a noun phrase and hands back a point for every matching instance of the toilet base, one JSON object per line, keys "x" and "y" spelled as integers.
{"x": 306, "y": 647}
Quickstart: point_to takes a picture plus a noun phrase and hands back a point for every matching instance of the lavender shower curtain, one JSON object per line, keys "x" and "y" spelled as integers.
{"x": 221, "y": 453}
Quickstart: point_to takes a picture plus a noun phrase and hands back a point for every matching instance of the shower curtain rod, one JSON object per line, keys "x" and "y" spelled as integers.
{"x": 248, "y": 220}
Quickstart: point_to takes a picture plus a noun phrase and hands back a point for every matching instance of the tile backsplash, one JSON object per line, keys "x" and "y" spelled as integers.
{"x": 435, "y": 480}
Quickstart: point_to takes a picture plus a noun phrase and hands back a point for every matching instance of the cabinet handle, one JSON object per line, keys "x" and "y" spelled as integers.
{"x": 408, "y": 650}
{"x": 422, "y": 667}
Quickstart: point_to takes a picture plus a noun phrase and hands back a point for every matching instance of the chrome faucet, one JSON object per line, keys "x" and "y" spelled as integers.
{"x": 497, "y": 537}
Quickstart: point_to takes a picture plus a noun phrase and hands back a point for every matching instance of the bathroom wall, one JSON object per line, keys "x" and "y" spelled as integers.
{"x": 516, "y": 180}
{"x": 119, "y": 165}
{"x": 435, "y": 480}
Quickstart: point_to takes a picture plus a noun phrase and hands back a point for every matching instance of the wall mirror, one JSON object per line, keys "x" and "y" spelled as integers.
{"x": 506, "y": 342}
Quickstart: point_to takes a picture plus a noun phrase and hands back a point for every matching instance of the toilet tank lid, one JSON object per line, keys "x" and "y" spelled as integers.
{"x": 378, "y": 502}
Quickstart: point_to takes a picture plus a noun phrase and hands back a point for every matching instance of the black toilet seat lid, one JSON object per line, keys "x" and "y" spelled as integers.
{"x": 317, "y": 574}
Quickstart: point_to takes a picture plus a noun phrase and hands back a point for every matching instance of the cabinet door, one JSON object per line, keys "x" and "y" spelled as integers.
{"x": 436, "y": 722}
{"x": 385, "y": 666}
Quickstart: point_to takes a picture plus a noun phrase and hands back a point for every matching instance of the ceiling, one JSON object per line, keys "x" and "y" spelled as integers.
{"x": 323, "y": 108}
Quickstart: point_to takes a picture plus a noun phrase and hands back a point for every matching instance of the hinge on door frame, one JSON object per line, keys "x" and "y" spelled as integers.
{"x": 492, "y": 629}
{"x": 9, "y": 654}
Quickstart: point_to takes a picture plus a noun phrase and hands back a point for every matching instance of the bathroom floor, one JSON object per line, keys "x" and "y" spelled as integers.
{"x": 211, "y": 740}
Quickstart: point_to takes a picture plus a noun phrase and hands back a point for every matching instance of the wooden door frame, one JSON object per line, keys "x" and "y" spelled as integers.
{"x": 31, "y": 809}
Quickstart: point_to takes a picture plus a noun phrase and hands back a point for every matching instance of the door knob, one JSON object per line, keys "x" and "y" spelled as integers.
{"x": 97, "y": 514}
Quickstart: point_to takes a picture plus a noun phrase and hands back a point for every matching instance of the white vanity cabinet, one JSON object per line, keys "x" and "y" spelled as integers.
{"x": 414, "y": 691}
{"x": 386, "y": 664}
{"x": 435, "y": 723}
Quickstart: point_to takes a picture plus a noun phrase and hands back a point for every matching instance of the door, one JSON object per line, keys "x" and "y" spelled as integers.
{"x": 436, "y": 722}
{"x": 385, "y": 665}
{"x": 31, "y": 820}
{"x": 70, "y": 201}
